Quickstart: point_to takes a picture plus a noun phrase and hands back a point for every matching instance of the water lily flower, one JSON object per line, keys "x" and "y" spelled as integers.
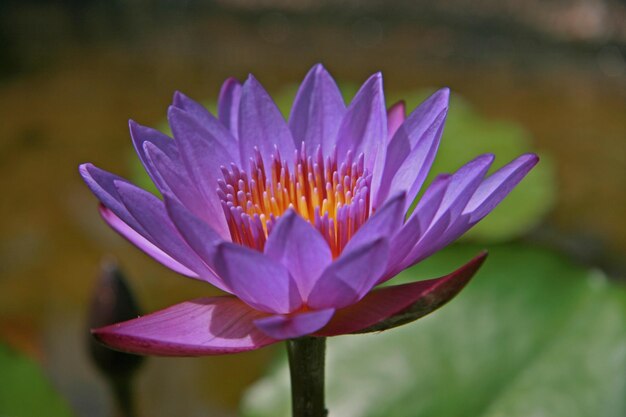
{"x": 298, "y": 221}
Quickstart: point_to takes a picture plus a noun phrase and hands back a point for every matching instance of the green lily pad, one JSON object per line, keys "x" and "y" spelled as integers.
{"x": 466, "y": 135}
{"x": 532, "y": 335}
{"x": 24, "y": 390}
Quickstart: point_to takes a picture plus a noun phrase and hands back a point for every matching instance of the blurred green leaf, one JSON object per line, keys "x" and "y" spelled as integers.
{"x": 532, "y": 335}
{"x": 466, "y": 136}
{"x": 25, "y": 391}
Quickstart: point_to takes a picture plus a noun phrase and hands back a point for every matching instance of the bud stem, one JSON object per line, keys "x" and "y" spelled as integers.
{"x": 306, "y": 366}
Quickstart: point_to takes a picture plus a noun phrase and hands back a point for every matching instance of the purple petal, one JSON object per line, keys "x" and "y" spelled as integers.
{"x": 203, "y": 155}
{"x": 389, "y": 307}
{"x": 150, "y": 212}
{"x": 417, "y": 224}
{"x": 498, "y": 185}
{"x": 205, "y": 326}
{"x": 295, "y": 244}
{"x": 317, "y": 112}
{"x": 198, "y": 235}
{"x": 142, "y": 135}
{"x": 144, "y": 244}
{"x": 259, "y": 281}
{"x": 406, "y": 177}
{"x": 395, "y": 117}
{"x": 420, "y": 120}
{"x": 484, "y": 199}
{"x": 101, "y": 183}
{"x": 463, "y": 184}
{"x": 228, "y": 105}
{"x": 417, "y": 139}
{"x": 460, "y": 188}
{"x": 173, "y": 180}
{"x": 384, "y": 223}
{"x": 296, "y": 325}
{"x": 261, "y": 125}
{"x": 364, "y": 126}
{"x": 205, "y": 122}
{"x": 350, "y": 277}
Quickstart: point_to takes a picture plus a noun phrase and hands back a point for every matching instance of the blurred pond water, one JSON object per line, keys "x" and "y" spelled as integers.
{"x": 74, "y": 105}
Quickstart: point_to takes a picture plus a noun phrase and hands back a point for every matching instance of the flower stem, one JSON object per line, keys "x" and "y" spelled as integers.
{"x": 306, "y": 366}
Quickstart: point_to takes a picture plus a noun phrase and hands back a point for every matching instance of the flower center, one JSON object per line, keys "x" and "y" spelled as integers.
{"x": 333, "y": 196}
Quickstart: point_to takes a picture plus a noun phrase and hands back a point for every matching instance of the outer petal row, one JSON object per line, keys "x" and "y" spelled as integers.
{"x": 205, "y": 326}
{"x": 220, "y": 325}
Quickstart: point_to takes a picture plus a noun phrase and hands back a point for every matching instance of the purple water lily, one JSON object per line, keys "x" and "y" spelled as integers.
{"x": 299, "y": 221}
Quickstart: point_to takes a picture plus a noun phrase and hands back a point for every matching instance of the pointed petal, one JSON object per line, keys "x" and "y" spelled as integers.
{"x": 498, "y": 185}
{"x": 256, "y": 279}
{"x": 350, "y": 277}
{"x": 203, "y": 155}
{"x": 412, "y": 172}
{"x": 463, "y": 184}
{"x": 418, "y": 138}
{"x": 205, "y": 122}
{"x": 261, "y": 125}
{"x": 198, "y": 235}
{"x": 364, "y": 126}
{"x": 150, "y": 212}
{"x": 141, "y": 135}
{"x": 101, "y": 183}
{"x": 228, "y": 105}
{"x": 297, "y": 325}
{"x": 420, "y": 120}
{"x": 317, "y": 112}
{"x": 395, "y": 117}
{"x": 173, "y": 180}
{"x": 489, "y": 194}
{"x": 459, "y": 190}
{"x": 389, "y": 307}
{"x": 295, "y": 244}
{"x": 144, "y": 244}
{"x": 416, "y": 225}
{"x": 384, "y": 223}
{"x": 205, "y": 326}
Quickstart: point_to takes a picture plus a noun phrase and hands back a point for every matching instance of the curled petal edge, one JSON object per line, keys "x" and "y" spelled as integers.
{"x": 393, "y": 306}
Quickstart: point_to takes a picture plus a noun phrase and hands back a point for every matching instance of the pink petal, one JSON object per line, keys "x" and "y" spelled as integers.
{"x": 350, "y": 277}
{"x": 395, "y": 117}
{"x": 389, "y": 307}
{"x": 205, "y": 326}
{"x": 259, "y": 281}
{"x": 296, "y": 325}
{"x": 295, "y": 244}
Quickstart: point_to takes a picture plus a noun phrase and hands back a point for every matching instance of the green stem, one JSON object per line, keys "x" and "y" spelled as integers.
{"x": 306, "y": 365}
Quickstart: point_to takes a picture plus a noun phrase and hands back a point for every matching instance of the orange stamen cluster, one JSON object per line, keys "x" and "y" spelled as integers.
{"x": 333, "y": 197}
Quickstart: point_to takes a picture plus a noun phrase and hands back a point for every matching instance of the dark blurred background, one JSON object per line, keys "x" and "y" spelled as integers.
{"x": 72, "y": 73}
